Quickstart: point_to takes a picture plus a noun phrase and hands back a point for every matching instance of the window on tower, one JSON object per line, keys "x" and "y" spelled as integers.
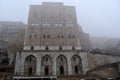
{"x": 32, "y": 24}
{"x": 32, "y": 36}
{"x": 46, "y": 24}
{"x": 58, "y": 25}
{"x": 47, "y": 48}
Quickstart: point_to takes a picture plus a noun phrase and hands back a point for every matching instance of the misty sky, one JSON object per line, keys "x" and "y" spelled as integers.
{"x": 97, "y": 17}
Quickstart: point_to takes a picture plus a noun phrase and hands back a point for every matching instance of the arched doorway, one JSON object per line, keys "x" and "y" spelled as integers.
{"x": 76, "y": 69}
{"x": 46, "y": 70}
{"x": 30, "y": 65}
{"x": 46, "y": 65}
{"x": 62, "y": 68}
{"x": 76, "y": 64}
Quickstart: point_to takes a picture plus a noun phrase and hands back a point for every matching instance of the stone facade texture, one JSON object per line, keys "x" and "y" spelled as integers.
{"x": 53, "y": 44}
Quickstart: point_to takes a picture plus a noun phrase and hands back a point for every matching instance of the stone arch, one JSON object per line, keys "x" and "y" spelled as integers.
{"x": 30, "y": 65}
{"x": 76, "y": 64}
{"x": 62, "y": 67}
{"x": 46, "y": 65}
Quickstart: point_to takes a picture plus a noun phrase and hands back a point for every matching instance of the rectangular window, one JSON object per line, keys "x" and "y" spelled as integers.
{"x": 58, "y": 25}
{"x": 46, "y": 24}
{"x": 32, "y": 24}
{"x": 37, "y": 25}
{"x": 32, "y": 36}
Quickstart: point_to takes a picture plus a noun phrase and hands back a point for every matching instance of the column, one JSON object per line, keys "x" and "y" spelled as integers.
{"x": 38, "y": 65}
{"x": 69, "y": 66}
{"x": 54, "y": 65}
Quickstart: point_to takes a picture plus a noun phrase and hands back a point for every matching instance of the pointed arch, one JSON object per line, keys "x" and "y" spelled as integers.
{"x": 62, "y": 67}
{"x": 46, "y": 65}
{"x": 76, "y": 64}
{"x": 30, "y": 65}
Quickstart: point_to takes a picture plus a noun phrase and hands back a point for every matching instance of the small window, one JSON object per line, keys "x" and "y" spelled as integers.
{"x": 60, "y": 47}
{"x": 46, "y": 59}
{"x": 37, "y": 24}
{"x": 73, "y": 36}
{"x": 56, "y": 24}
{"x": 73, "y": 47}
{"x": 61, "y": 59}
{"x": 30, "y": 59}
{"x": 44, "y": 36}
{"x": 58, "y": 36}
{"x": 69, "y": 36}
{"x": 32, "y": 48}
{"x": 48, "y": 36}
{"x": 32, "y": 24}
{"x": 47, "y": 48}
{"x": 30, "y": 36}
{"x": 46, "y": 24}
{"x": 74, "y": 59}
{"x": 34, "y": 36}
{"x": 62, "y": 36}
{"x": 60, "y": 25}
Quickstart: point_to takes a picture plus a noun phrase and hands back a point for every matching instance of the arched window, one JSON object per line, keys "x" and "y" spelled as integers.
{"x": 46, "y": 65}
{"x": 46, "y": 59}
{"x": 62, "y": 66}
{"x": 30, "y": 65}
{"x": 76, "y": 64}
{"x": 74, "y": 59}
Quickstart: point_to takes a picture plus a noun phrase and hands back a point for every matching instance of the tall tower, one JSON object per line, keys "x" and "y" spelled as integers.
{"x": 52, "y": 43}
{"x": 52, "y": 25}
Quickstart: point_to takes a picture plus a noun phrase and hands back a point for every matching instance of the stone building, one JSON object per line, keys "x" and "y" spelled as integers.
{"x": 53, "y": 43}
{"x": 7, "y": 28}
{"x": 13, "y": 33}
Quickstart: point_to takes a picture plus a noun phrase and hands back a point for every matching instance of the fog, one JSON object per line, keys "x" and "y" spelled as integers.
{"x": 97, "y": 17}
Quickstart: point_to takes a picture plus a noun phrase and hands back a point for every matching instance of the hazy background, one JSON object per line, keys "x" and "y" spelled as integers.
{"x": 97, "y": 17}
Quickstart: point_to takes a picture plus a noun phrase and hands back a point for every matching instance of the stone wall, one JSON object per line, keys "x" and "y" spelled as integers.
{"x": 20, "y": 60}
{"x": 96, "y": 60}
